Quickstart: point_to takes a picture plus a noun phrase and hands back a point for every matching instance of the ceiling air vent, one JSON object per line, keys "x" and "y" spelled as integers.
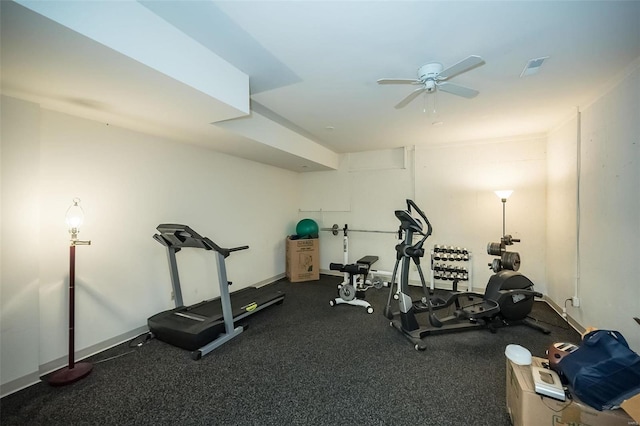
{"x": 533, "y": 66}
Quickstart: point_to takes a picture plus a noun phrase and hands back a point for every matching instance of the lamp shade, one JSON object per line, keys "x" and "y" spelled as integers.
{"x": 75, "y": 215}
{"x": 504, "y": 194}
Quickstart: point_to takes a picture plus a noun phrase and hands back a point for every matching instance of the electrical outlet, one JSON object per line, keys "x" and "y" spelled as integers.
{"x": 564, "y": 313}
{"x": 575, "y": 301}
{"x": 173, "y": 296}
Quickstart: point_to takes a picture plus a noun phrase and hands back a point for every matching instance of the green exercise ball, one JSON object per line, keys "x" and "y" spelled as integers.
{"x": 307, "y": 228}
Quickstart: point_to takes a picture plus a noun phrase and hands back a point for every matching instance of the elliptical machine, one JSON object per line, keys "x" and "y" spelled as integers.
{"x": 508, "y": 298}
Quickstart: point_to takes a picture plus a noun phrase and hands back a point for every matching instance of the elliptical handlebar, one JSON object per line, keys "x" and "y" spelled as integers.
{"x": 409, "y": 223}
{"x": 410, "y": 204}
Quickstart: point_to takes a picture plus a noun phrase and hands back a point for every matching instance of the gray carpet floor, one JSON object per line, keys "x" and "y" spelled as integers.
{"x": 299, "y": 363}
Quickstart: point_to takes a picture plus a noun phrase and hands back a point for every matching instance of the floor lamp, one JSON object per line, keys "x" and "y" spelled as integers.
{"x": 504, "y": 195}
{"x": 74, "y": 371}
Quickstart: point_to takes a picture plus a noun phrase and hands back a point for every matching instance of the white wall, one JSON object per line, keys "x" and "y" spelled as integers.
{"x": 361, "y": 198}
{"x": 561, "y": 212}
{"x": 609, "y": 210}
{"x": 19, "y": 241}
{"x": 454, "y": 186}
{"x": 128, "y": 183}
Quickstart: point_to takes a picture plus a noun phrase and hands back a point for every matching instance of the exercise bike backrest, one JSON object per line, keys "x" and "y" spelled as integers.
{"x": 409, "y": 222}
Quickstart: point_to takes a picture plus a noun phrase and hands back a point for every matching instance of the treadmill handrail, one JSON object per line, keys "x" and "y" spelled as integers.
{"x": 178, "y": 236}
{"x": 224, "y": 251}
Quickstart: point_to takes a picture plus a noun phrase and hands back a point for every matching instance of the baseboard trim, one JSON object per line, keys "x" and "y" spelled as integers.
{"x": 44, "y": 369}
{"x": 51, "y": 366}
{"x": 19, "y": 384}
{"x": 570, "y": 320}
{"x": 269, "y": 280}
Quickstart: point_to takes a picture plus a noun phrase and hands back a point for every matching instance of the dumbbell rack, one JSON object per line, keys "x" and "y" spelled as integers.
{"x": 449, "y": 263}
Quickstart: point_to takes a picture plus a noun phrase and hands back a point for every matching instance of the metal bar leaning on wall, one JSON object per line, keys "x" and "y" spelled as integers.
{"x": 335, "y": 229}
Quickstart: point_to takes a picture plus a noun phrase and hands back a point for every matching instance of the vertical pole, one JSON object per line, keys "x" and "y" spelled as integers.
{"x": 72, "y": 308}
{"x": 504, "y": 205}
{"x": 75, "y": 370}
{"x": 345, "y": 255}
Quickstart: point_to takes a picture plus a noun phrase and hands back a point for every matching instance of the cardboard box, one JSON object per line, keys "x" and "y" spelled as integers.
{"x": 632, "y": 407}
{"x": 303, "y": 260}
{"x": 527, "y": 408}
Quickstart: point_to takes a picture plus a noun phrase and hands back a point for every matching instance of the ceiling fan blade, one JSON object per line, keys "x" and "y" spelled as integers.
{"x": 411, "y": 97}
{"x": 398, "y": 81}
{"x": 462, "y": 66}
{"x": 456, "y": 89}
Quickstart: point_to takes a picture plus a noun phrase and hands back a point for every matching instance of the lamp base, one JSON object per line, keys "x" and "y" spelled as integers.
{"x": 66, "y": 375}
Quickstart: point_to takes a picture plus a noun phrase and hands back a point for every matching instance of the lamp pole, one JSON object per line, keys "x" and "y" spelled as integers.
{"x": 504, "y": 195}
{"x": 504, "y": 212}
{"x": 73, "y": 371}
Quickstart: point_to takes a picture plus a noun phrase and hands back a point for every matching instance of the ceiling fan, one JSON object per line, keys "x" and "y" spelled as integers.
{"x": 432, "y": 77}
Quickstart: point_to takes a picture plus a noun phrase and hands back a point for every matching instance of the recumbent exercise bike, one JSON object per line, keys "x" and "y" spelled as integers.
{"x": 508, "y": 297}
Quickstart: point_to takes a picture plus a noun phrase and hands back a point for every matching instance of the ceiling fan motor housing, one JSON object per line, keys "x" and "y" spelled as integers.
{"x": 428, "y": 74}
{"x": 429, "y": 71}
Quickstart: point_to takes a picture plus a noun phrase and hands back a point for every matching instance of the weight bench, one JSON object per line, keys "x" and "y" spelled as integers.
{"x": 353, "y": 291}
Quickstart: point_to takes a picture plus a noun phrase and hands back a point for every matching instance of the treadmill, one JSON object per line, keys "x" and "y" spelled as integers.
{"x": 203, "y": 327}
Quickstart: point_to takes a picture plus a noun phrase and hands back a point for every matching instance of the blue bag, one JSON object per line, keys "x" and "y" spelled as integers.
{"x": 603, "y": 371}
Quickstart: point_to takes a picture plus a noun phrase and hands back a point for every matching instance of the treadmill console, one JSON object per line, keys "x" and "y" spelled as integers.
{"x": 179, "y": 236}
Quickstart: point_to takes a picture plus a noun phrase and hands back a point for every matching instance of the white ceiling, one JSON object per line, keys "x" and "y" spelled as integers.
{"x": 313, "y": 66}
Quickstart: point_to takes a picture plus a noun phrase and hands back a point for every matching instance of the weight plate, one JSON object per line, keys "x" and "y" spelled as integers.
{"x": 377, "y": 283}
{"x": 496, "y": 265}
{"x": 347, "y": 292}
{"x": 511, "y": 260}
{"x": 494, "y": 249}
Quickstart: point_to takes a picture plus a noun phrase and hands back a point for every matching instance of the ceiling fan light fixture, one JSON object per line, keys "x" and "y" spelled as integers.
{"x": 533, "y": 66}
{"x": 430, "y": 85}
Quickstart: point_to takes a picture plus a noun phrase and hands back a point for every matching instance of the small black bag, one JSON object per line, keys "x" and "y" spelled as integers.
{"x": 603, "y": 371}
